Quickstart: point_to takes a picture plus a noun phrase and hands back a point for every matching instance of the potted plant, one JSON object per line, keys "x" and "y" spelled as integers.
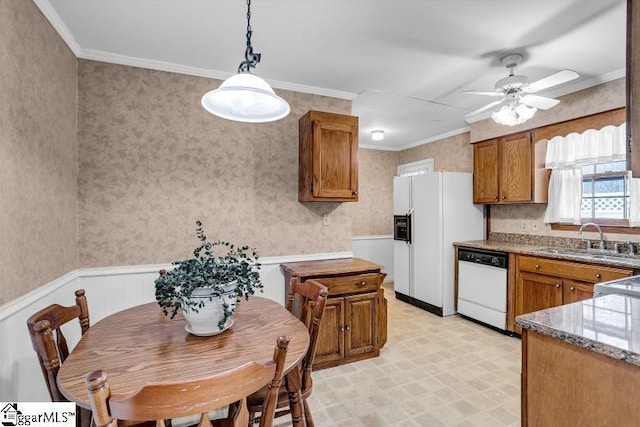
{"x": 208, "y": 286}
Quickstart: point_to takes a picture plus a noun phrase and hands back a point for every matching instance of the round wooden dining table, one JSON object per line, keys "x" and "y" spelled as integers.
{"x": 140, "y": 345}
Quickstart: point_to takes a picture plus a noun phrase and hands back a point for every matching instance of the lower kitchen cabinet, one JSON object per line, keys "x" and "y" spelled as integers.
{"x": 574, "y": 291}
{"x": 544, "y": 283}
{"x": 354, "y": 324}
{"x": 568, "y": 385}
{"x": 348, "y": 329}
{"x": 536, "y": 292}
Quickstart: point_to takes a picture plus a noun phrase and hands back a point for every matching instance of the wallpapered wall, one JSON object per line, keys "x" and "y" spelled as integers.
{"x": 38, "y": 164}
{"x": 152, "y": 161}
{"x": 373, "y": 214}
{"x": 453, "y": 154}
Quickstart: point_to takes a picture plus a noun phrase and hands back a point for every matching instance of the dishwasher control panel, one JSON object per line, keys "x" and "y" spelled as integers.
{"x": 495, "y": 259}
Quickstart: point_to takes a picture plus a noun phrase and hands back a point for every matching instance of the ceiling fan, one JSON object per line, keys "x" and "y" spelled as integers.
{"x": 515, "y": 90}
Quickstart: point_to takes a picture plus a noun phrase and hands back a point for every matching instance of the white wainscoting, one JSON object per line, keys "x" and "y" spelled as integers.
{"x": 108, "y": 291}
{"x": 375, "y": 248}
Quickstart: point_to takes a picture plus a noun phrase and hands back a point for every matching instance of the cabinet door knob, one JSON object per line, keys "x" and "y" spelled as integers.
{"x": 537, "y": 266}
{"x": 572, "y": 288}
{"x": 495, "y": 198}
{"x": 342, "y": 329}
{"x": 598, "y": 275}
{"x": 557, "y": 285}
{"x": 354, "y": 192}
{"x": 362, "y": 284}
{"x": 347, "y": 327}
{"x": 504, "y": 197}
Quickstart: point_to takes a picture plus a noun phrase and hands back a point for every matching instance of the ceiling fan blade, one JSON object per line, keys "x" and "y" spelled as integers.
{"x": 552, "y": 80}
{"x": 541, "y": 102}
{"x": 485, "y": 108}
{"x": 477, "y": 92}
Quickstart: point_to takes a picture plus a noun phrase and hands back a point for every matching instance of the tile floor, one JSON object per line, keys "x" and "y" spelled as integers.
{"x": 432, "y": 372}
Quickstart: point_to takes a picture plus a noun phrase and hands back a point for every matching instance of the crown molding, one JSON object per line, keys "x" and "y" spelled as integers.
{"x": 435, "y": 138}
{"x": 54, "y": 19}
{"x": 416, "y": 143}
{"x": 585, "y": 84}
{"x": 97, "y": 55}
{"x": 378, "y": 147}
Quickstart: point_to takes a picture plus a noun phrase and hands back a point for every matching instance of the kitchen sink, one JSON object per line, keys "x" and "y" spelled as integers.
{"x": 590, "y": 253}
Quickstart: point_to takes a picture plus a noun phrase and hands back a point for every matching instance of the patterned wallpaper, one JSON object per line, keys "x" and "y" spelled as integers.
{"x": 452, "y": 154}
{"x": 152, "y": 161}
{"x": 374, "y": 211}
{"x": 38, "y": 164}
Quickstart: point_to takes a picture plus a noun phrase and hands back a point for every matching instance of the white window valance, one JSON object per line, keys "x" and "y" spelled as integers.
{"x": 592, "y": 146}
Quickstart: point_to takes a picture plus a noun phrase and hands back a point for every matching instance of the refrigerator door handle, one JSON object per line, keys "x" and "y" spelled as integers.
{"x": 409, "y": 226}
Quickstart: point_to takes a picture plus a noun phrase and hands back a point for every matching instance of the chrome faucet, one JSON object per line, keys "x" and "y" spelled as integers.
{"x": 601, "y": 244}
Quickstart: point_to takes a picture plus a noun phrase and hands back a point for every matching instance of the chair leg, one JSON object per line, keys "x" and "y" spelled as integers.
{"x": 297, "y": 412}
{"x": 84, "y": 417}
{"x": 252, "y": 418}
{"x": 307, "y": 414}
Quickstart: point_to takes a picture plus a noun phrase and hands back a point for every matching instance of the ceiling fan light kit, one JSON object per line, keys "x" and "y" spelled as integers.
{"x": 514, "y": 89}
{"x": 511, "y": 116}
{"x": 245, "y": 97}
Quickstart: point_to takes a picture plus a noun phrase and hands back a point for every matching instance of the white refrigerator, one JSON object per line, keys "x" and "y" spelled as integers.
{"x": 431, "y": 211}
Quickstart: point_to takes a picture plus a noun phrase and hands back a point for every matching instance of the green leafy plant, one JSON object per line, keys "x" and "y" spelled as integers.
{"x": 214, "y": 266}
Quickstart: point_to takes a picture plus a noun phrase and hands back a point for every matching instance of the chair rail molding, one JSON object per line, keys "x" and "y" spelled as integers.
{"x": 376, "y": 248}
{"x": 108, "y": 290}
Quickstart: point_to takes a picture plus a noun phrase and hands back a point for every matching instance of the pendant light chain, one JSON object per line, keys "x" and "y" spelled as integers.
{"x": 251, "y": 59}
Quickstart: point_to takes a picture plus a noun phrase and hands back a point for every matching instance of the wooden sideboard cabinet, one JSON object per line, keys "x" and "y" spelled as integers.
{"x": 544, "y": 283}
{"x": 354, "y": 325}
{"x": 510, "y": 170}
{"x": 328, "y": 158}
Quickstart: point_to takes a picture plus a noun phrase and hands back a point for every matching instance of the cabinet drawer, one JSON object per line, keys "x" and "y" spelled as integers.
{"x": 587, "y": 273}
{"x": 351, "y": 284}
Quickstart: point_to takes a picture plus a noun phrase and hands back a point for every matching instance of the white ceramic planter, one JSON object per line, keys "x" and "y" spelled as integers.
{"x": 206, "y": 320}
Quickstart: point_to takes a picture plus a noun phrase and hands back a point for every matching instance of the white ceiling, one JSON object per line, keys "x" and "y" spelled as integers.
{"x": 403, "y": 62}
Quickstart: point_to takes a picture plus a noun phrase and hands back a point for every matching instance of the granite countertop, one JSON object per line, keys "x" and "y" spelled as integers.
{"x": 608, "y": 324}
{"x": 628, "y": 286}
{"x": 536, "y": 250}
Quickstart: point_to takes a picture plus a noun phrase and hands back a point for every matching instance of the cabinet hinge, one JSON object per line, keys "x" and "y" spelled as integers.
{"x": 311, "y": 187}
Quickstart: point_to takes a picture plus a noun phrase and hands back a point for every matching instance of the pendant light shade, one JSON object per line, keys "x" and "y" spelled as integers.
{"x": 244, "y": 97}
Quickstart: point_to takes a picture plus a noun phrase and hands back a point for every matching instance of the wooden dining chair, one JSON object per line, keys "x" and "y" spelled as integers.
{"x": 52, "y": 351}
{"x": 306, "y": 300}
{"x": 166, "y": 401}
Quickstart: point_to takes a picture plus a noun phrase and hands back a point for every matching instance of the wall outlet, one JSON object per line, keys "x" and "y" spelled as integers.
{"x": 534, "y": 227}
{"x": 325, "y": 220}
{"x": 524, "y": 226}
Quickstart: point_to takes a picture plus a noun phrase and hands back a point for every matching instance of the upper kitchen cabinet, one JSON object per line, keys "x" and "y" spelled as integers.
{"x": 510, "y": 170}
{"x": 328, "y": 156}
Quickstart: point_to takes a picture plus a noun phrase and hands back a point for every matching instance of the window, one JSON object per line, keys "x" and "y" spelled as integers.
{"x": 605, "y": 191}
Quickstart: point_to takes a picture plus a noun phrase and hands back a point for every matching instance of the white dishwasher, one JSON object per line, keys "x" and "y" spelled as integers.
{"x": 482, "y": 286}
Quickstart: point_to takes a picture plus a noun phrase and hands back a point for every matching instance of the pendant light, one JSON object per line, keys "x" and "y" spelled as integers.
{"x": 245, "y": 97}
